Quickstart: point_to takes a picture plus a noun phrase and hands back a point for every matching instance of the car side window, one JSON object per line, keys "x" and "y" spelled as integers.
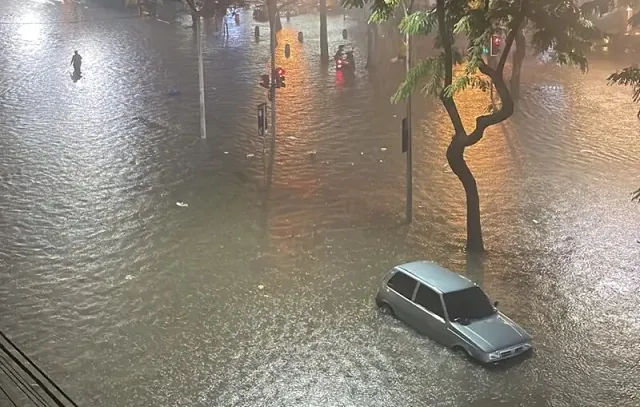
{"x": 430, "y": 300}
{"x": 403, "y": 284}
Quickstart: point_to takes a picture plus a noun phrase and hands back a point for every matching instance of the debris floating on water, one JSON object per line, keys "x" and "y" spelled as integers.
{"x": 250, "y": 155}
{"x": 536, "y": 221}
{"x": 260, "y": 287}
{"x": 226, "y": 152}
{"x": 383, "y": 148}
{"x": 128, "y": 277}
{"x": 182, "y": 204}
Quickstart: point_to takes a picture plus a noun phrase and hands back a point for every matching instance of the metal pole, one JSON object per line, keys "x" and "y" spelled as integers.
{"x": 409, "y": 207}
{"x": 273, "y": 11}
{"x": 203, "y": 117}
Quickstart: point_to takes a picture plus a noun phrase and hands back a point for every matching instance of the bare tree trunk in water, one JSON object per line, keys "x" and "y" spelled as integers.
{"x": 518, "y": 60}
{"x": 370, "y": 47}
{"x": 455, "y": 158}
{"x": 278, "y": 22}
{"x": 324, "y": 42}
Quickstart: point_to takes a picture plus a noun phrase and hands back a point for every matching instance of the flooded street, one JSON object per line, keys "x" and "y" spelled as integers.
{"x": 126, "y": 299}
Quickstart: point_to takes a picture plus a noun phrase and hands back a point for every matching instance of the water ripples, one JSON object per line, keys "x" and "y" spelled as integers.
{"x": 127, "y": 299}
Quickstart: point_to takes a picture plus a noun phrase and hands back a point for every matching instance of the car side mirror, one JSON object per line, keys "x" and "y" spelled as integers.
{"x": 495, "y": 304}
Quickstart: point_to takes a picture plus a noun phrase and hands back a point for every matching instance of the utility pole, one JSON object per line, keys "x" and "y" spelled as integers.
{"x": 203, "y": 117}
{"x": 273, "y": 12}
{"x": 409, "y": 192}
{"x": 195, "y": 14}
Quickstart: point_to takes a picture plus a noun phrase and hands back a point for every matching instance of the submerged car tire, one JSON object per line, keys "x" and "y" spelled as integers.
{"x": 461, "y": 352}
{"x": 387, "y": 310}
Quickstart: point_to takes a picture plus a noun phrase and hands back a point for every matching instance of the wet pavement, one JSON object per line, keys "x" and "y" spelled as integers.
{"x": 129, "y": 300}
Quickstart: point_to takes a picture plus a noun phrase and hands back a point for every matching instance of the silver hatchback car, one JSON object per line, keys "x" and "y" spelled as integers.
{"x": 452, "y": 310}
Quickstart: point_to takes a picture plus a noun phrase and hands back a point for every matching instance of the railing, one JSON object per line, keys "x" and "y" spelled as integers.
{"x": 23, "y": 383}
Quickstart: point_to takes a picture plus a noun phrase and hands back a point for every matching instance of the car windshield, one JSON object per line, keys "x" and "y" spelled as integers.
{"x": 467, "y": 304}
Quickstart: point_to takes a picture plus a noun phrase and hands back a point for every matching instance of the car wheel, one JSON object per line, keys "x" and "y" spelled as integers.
{"x": 461, "y": 352}
{"x": 387, "y": 310}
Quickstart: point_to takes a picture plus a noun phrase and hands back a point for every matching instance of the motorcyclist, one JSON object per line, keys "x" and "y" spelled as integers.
{"x": 339, "y": 53}
{"x": 350, "y": 58}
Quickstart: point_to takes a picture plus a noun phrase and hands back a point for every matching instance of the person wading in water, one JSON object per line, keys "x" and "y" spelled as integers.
{"x": 76, "y": 61}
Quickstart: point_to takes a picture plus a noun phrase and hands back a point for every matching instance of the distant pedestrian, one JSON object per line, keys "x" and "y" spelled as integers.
{"x": 226, "y": 26}
{"x": 76, "y": 61}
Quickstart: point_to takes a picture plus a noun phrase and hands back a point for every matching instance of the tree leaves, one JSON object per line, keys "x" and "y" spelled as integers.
{"x": 557, "y": 25}
{"x": 381, "y": 10}
{"x": 465, "y": 81}
{"x": 429, "y": 73}
{"x": 419, "y": 23}
{"x": 627, "y": 77}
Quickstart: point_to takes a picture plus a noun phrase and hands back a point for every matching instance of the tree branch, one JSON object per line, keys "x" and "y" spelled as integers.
{"x": 445, "y": 39}
{"x": 514, "y": 27}
{"x": 193, "y": 7}
{"x": 497, "y": 76}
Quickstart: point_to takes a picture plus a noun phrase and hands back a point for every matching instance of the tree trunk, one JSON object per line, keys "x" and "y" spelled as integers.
{"x": 455, "y": 157}
{"x": 370, "y": 34}
{"x": 278, "y": 22}
{"x": 518, "y": 60}
{"x": 324, "y": 42}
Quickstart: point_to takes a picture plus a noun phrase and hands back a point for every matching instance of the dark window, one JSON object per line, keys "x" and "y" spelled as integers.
{"x": 403, "y": 284}
{"x": 430, "y": 300}
{"x": 468, "y": 304}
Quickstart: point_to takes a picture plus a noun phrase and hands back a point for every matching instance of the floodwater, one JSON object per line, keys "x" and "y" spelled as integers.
{"x": 126, "y": 299}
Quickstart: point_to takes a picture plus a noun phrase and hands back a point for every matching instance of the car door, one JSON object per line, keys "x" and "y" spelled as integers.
{"x": 428, "y": 313}
{"x": 402, "y": 287}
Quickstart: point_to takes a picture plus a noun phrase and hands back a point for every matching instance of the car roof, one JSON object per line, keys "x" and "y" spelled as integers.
{"x": 436, "y": 276}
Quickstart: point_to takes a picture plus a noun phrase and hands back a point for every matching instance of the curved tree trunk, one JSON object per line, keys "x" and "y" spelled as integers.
{"x": 324, "y": 42}
{"x": 455, "y": 158}
{"x": 518, "y": 60}
{"x": 461, "y": 140}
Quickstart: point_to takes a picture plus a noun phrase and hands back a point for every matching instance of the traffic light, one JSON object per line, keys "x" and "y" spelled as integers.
{"x": 496, "y": 45}
{"x": 264, "y": 81}
{"x": 279, "y": 75}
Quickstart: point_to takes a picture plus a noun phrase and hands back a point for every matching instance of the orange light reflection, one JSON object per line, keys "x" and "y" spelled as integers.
{"x": 490, "y": 160}
{"x": 294, "y": 174}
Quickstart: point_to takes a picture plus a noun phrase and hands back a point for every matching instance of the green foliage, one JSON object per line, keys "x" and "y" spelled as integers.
{"x": 381, "y": 10}
{"x": 419, "y": 23}
{"x": 428, "y": 72}
{"x": 557, "y": 24}
{"x": 468, "y": 80}
{"x": 560, "y": 25}
{"x": 627, "y": 77}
